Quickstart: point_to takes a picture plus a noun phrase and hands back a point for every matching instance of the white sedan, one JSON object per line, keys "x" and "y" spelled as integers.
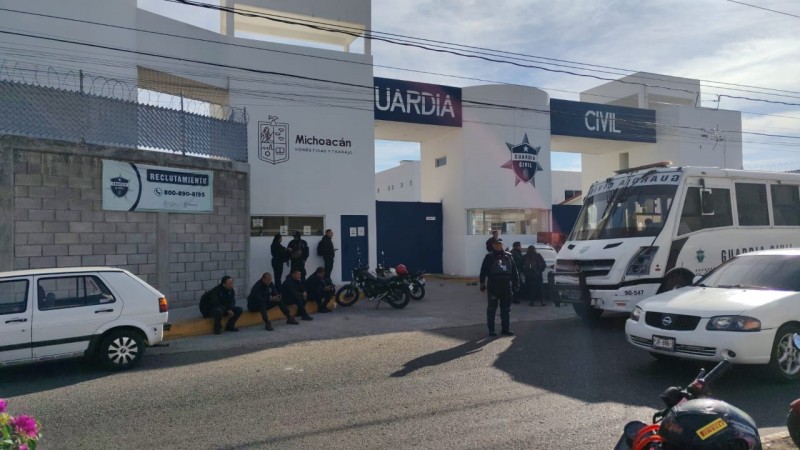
{"x": 745, "y": 310}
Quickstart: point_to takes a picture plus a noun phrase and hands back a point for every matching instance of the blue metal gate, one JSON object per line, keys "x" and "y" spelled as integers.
{"x": 410, "y": 233}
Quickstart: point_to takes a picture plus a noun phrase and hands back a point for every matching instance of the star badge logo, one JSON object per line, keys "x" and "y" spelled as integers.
{"x": 524, "y": 161}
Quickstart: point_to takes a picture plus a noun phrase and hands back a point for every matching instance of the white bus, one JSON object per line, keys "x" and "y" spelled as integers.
{"x": 655, "y": 228}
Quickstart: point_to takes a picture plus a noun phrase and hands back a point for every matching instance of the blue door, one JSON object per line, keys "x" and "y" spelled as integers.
{"x": 410, "y": 233}
{"x": 355, "y": 244}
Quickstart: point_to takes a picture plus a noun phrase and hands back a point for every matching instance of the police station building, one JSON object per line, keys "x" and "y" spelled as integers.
{"x": 315, "y": 111}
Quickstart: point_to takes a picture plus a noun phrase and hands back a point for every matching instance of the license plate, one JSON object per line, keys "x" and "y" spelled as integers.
{"x": 662, "y": 343}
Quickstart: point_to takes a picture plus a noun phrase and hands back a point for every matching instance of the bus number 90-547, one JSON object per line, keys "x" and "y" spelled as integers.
{"x": 631, "y": 293}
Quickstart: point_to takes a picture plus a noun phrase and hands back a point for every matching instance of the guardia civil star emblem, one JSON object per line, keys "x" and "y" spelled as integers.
{"x": 524, "y": 161}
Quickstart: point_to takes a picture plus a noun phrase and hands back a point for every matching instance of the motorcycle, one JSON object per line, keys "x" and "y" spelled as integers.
{"x": 640, "y": 436}
{"x": 793, "y": 419}
{"x": 415, "y": 280}
{"x": 392, "y": 290}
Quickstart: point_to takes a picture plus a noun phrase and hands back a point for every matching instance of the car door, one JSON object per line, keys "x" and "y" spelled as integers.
{"x": 72, "y": 308}
{"x": 16, "y": 313}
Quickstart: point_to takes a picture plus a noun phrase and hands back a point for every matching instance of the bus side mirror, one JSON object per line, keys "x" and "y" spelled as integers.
{"x": 707, "y": 202}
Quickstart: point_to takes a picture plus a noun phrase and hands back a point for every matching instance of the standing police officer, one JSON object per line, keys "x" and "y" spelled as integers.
{"x": 503, "y": 278}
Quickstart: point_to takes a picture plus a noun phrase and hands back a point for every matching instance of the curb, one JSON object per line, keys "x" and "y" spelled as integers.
{"x": 439, "y": 276}
{"x": 775, "y": 437}
{"x": 201, "y": 326}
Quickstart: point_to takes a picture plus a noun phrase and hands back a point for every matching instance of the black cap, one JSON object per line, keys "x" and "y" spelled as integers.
{"x": 500, "y": 240}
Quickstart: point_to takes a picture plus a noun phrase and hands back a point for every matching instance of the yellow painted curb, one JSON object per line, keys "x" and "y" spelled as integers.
{"x": 201, "y": 326}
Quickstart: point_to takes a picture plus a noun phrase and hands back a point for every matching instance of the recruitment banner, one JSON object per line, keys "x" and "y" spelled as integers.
{"x": 137, "y": 187}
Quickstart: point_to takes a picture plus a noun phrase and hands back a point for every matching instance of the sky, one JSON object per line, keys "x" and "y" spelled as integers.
{"x": 753, "y": 51}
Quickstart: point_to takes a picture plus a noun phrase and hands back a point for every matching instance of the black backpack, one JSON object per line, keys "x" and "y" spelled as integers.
{"x": 205, "y": 304}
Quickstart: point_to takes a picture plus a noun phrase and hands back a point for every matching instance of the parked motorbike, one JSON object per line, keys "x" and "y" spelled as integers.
{"x": 793, "y": 419}
{"x": 415, "y": 280}
{"x": 392, "y": 290}
{"x": 692, "y": 420}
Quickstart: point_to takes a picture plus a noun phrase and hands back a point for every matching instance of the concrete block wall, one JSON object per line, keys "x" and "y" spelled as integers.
{"x": 51, "y": 216}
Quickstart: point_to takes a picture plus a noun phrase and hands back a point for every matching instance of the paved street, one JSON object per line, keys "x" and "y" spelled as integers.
{"x": 556, "y": 384}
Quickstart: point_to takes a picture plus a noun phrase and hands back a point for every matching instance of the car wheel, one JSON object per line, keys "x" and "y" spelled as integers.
{"x": 121, "y": 350}
{"x": 675, "y": 281}
{"x": 784, "y": 362}
{"x": 589, "y": 314}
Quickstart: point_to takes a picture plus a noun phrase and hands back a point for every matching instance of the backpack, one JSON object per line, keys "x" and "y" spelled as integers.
{"x": 205, "y": 304}
{"x": 501, "y": 266}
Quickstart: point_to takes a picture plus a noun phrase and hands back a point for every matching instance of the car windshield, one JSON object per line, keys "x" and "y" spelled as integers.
{"x": 773, "y": 272}
{"x": 632, "y": 211}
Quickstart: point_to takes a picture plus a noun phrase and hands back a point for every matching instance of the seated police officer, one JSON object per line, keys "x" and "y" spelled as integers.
{"x": 221, "y": 301}
{"x": 263, "y": 297}
{"x": 320, "y": 289}
{"x": 499, "y": 274}
{"x": 294, "y": 293}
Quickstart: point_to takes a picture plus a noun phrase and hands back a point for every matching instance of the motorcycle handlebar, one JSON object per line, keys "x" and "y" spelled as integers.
{"x": 715, "y": 373}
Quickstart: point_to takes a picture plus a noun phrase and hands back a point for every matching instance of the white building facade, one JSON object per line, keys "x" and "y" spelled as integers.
{"x": 314, "y": 115}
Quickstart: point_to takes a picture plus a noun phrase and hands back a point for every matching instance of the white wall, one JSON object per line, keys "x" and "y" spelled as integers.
{"x": 400, "y": 184}
{"x": 564, "y": 180}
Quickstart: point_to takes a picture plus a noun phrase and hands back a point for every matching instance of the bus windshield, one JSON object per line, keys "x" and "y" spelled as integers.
{"x": 629, "y": 211}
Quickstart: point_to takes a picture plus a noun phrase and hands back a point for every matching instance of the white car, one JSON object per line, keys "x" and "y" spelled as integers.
{"x": 745, "y": 310}
{"x": 101, "y": 312}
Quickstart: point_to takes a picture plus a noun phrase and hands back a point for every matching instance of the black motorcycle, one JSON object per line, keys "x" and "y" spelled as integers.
{"x": 414, "y": 280}
{"x": 692, "y": 420}
{"x": 392, "y": 290}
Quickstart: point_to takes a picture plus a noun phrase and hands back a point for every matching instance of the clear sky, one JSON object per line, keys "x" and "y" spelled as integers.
{"x": 711, "y": 40}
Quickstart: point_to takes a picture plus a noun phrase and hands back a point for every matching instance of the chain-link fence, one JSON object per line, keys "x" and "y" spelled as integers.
{"x": 68, "y": 114}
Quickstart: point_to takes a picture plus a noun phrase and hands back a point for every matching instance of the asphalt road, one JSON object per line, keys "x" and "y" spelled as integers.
{"x": 555, "y": 385}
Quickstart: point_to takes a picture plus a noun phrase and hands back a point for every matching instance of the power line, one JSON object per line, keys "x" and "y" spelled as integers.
{"x": 765, "y": 9}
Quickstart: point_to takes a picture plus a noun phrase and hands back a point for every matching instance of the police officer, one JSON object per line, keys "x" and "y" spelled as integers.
{"x": 503, "y": 278}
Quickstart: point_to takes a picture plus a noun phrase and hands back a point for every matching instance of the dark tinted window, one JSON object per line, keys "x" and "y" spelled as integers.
{"x": 785, "y": 205}
{"x": 13, "y": 296}
{"x": 72, "y": 292}
{"x": 751, "y": 204}
{"x": 692, "y": 217}
{"x": 776, "y": 272}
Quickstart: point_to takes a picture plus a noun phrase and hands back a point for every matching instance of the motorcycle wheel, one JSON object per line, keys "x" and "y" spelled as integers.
{"x": 793, "y": 424}
{"x": 347, "y": 295}
{"x": 398, "y": 298}
{"x": 416, "y": 290}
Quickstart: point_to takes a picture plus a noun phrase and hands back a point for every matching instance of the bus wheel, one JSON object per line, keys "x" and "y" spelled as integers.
{"x": 589, "y": 314}
{"x": 675, "y": 281}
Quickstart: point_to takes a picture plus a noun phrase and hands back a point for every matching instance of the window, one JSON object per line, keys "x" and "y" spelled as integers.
{"x": 777, "y": 272}
{"x": 569, "y": 193}
{"x": 785, "y": 205}
{"x": 287, "y": 225}
{"x": 72, "y": 292}
{"x": 692, "y": 216}
{"x": 751, "y": 204}
{"x": 507, "y": 221}
{"x": 441, "y": 161}
{"x": 13, "y": 296}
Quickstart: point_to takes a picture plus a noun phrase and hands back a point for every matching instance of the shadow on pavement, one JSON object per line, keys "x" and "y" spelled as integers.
{"x": 443, "y": 356}
{"x": 596, "y": 364}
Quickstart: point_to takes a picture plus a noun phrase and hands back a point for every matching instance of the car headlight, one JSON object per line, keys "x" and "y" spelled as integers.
{"x": 734, "y": 323}
{"x": 636, "y": 314}
{"x": 640, "y": 264}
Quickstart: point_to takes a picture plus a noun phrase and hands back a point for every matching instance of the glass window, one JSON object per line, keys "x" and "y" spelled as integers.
{"x": 271, "y": 225}
{"x": 751, "y": 204}
{"x": 72, "y": 292}
{"x": 13, "y": 296}
{"x": 507, "y": 221}
{"x": 632, "y": 211}
{"x": 777, "y": 272}
{"x": 785, "y": 205}
{"x": 692, "y": 216}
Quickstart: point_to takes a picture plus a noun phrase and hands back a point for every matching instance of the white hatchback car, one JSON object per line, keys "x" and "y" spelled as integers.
{"x": 101, "y": 312}
{"x": 745, "y": 310}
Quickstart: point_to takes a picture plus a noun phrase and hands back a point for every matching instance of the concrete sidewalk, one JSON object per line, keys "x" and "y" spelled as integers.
{"x": 447, "y": 303}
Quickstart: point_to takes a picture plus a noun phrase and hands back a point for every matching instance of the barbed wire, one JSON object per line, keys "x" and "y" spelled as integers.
{"x": 111, "y": 88}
